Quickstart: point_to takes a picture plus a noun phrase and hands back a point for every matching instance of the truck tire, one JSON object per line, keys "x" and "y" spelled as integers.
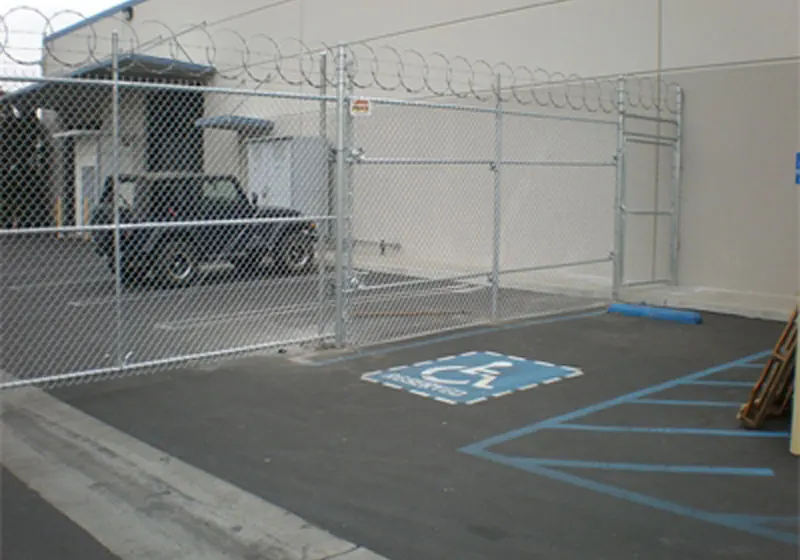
{"x": 177, "y": 264}
{"x": 296, "y": 254}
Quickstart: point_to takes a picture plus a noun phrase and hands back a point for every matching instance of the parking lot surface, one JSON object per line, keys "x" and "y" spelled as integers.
{"x": 61, "y": 313}
{"x": 608, "y": 438}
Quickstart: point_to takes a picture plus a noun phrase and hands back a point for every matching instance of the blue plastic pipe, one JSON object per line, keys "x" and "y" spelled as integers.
{"x": 660, "y": 313}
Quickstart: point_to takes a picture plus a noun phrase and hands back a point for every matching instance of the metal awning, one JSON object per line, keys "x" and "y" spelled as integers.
{"x": 246, "y": 126}
{"x": 135, "y": 65}
{"x": 70, "y": 96}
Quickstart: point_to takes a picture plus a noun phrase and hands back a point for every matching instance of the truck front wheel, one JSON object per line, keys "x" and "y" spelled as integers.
{"x": 177, "y": 264}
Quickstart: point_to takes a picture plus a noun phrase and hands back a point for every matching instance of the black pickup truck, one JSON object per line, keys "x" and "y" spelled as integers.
{"x": 214, "y": 221}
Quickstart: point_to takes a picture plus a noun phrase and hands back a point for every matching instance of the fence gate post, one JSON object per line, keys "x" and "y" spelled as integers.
{"x": 341, "y": 193}
{"x": 120, "y": 356}
{"x": 324, "y": 228}
{"x": 497, "y": 217}
{"x": 619, "y": 196}
{"x": 676, "y": 190}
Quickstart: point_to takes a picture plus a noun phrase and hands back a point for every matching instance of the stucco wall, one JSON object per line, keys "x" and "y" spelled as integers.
{"x": 735, "y": 59}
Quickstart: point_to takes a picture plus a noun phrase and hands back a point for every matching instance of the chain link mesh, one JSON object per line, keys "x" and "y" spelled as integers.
{"x": 557, "y": 217}
{"x": 422, "y": 229}
{"x": 177, "y": 195}
{"x": 651, "y": 197}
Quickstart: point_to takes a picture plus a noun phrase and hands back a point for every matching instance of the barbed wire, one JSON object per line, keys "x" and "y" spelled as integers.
{"x": 265, "y": 60}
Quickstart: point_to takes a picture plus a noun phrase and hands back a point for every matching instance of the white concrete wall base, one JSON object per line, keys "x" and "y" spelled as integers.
{"x": 752, "y": 305}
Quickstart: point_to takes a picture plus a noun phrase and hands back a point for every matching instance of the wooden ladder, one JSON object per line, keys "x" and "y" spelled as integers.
{"x": 772, "y": 394}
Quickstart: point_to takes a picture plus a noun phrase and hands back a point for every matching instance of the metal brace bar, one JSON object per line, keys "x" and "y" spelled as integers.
{"x": 648, "y": 212}
{"x": 651, "y": 119}
{"x": 610, "y": 163}
{"x": 652, "y": 142}
{"x": 659, "y": 137}
{"x": 492, "y": 164}
{"x": 414, "y": 161}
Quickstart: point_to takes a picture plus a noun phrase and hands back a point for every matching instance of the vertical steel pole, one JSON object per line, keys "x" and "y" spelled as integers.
{"x": 341, "y": 193}
{"x": 497, "y": 218}
{"x": 323, "y": 91}
{"x": 349, "y": 150}
{"x": 323, "y": 229}
{"x": 120, "y": 358}
{"x": 619, "y": 196}
{"x": 676, "y": 191}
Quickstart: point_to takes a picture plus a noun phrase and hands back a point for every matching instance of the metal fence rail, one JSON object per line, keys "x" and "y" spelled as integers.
{"x": 156, "y": 215}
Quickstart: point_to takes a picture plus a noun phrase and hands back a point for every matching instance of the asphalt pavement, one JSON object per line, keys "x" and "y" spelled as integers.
{"x": 61, "y": 313}
{"x": 614, "y": 438}
{"x": 33, "y": 529}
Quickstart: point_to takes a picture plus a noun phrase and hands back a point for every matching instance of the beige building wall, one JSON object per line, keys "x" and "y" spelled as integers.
{"x": 735, "y": 59}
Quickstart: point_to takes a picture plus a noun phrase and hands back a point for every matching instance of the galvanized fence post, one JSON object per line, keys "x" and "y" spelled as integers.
{"x": 497, "y": 217}
{"x": 619, "y": 196}
{"x": 350, "y": 152}
{"x": 341, "y": 193}
{"x": 120, "y": 357}
{"x": 323, "y": 229}
{"x": 676, "y": 190}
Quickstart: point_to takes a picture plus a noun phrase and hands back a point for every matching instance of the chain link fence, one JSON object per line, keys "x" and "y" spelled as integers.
{"x": 159, "y": 210}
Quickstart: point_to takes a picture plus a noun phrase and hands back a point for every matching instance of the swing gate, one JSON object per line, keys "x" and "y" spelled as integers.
{"x": 152, "y": 223}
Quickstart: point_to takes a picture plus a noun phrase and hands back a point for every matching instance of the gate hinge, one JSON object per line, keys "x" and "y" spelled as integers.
{"x": 355, "y": 155}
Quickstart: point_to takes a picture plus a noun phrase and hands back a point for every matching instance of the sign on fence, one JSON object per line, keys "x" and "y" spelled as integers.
{"x": 360, "y": 107}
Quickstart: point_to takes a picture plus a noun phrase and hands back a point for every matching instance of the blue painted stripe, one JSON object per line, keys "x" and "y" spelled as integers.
{"x": 92, "y": 19}
{"x": 721, "y": 383}
{"x": 645, "y": 500}
{"x": 669, "y": 431}
{"x": 580, "y": 413}
{"x": 640, "y": 467}
{"x": 673, "y": 402}
{"x": 759, "y": 519}
{"x": 455, "y": 336}
{"x": 661, "y": 313}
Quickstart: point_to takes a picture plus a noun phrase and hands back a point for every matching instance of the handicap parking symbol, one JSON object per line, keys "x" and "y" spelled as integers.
{"x": 472, "y": 377}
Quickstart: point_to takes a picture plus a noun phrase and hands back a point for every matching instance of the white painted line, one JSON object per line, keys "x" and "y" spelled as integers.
{"x": 531, "y": 386}
{"x": 418, "y": 364}
{"x": 45, "y": 285}
{"x": 515, "y": 358}
{"x": 468, "y": 354}
{"x": 418, "y": 393}
{"x": 302, "y": 361}
{"x": 503, "y": 394}
{"x": 576, "y": 373}
{"x": 466, "y": 289}
{"x": 493, "y": 354}
{"x": 545, "y": 364}
{"x": 392, "y": 386}
{"x": 476, "y": 401}
{"x": 222, "y": 318}
{"x": 397, "y": 368}
{"x": 445, "y": 401}
{"x": 369, "y": 379}
{"x": 551, "y": 380}
{"x": 140, "y": 502}
{"x": 200, "y": 292}
{"x": 446, "y": 359}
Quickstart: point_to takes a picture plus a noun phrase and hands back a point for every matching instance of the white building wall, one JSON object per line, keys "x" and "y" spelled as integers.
{"x": 735, "y": 59}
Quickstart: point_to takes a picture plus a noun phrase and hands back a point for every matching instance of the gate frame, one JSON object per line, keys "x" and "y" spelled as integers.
{"x": 347, "y": 156}
{"x": 624, "y": 138}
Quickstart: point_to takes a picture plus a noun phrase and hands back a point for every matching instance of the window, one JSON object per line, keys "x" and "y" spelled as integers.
{"x": 221, "y": 191}
{"x": 174, "y": 143}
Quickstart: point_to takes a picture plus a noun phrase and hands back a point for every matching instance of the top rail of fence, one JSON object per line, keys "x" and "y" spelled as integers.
{"x": 66, "y": 43}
